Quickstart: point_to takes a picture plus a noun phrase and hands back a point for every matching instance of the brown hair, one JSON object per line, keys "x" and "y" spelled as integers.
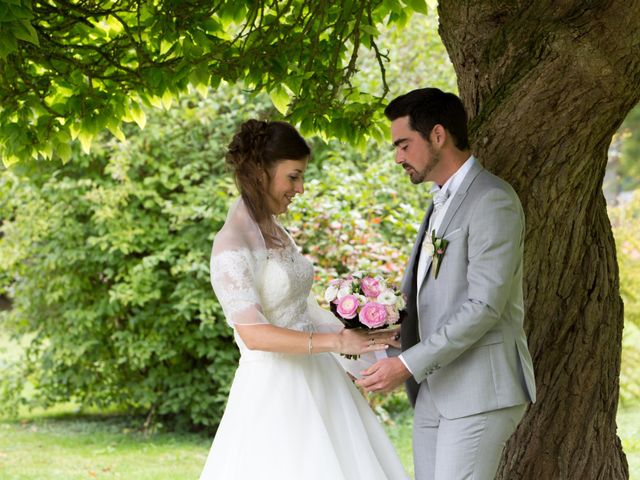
{"x": 427, "y": 107}
{"x": 254, "y": 149}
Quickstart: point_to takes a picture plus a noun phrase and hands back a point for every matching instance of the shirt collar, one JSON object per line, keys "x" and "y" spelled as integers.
{"x": 456, "y": 179}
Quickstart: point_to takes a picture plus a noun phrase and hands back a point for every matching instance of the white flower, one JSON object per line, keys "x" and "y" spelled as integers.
{"x": 400, "y": 303}
{"x": 344, "y": 290}
{"x": 387, "y": 297}
{"x": 427, "y": 248}
{"x": 331, "y": 293}
{"x": 361, "y": 298}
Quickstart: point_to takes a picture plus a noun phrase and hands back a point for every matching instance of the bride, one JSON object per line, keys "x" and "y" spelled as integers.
{"x": 292, "y": 413}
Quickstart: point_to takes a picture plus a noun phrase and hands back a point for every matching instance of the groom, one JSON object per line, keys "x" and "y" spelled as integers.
{"x": 464, "y": 357}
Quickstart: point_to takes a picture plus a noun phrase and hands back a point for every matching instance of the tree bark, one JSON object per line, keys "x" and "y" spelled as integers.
{"x": 546, "y": 85}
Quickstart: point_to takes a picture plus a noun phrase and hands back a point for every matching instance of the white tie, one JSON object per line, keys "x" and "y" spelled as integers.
{"x": 439, "y": 200}
{"x": 426, "y": 249}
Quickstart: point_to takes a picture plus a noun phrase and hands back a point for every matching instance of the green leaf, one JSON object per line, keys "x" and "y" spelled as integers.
{"x": 419, "y": 6}
{"x": 114, "y": 128}
{"x": 21, "y": 12}
{"x": 167, "y": 100}
{"x": 9, "y": 160}
{"x": 371, "y": 30}
{"x": 86, "y": 138}
{"x": 23, "y": 30}
{"x": 199, "y": 75}
{"x": 280, "y": 99}
{"x": 8, "y": 45}
{"x": 64, "y": 152}
{"x": 137, "y": 114}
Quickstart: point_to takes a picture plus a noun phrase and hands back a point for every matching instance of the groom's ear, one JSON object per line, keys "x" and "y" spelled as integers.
{"x": 439, "y": 135}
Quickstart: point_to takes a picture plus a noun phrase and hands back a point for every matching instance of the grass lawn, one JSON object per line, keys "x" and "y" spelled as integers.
{"x": 68, "y": 446}
{"x": 74, "y": 447}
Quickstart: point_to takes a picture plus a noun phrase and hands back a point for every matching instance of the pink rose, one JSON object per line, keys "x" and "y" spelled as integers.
{"x": 370, "y": 287}
{"x": 348, "y": 306}
{"x": 373, "y": 315}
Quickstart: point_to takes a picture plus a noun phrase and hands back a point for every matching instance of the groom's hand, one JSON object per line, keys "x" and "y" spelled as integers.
{"x": 384, "y": 375}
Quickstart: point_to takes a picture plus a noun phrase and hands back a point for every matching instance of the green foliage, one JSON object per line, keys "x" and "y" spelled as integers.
{"x": 352, "y": 216}
{"x": 110, "y": 256}
{"x": 626, "y": 228}
{"x": 69, "y": 70}
{"x": 630, "y": 151}
{"x": 417, "y": 59}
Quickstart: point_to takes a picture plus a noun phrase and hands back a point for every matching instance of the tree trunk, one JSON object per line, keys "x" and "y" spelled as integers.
{"x": 546, "y": 84}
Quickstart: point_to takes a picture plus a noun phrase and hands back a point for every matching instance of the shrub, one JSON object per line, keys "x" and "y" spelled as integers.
{"x": 109, "y": 258}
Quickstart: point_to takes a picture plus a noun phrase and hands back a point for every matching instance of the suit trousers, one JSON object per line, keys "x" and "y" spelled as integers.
{"x": 467, "y": 448}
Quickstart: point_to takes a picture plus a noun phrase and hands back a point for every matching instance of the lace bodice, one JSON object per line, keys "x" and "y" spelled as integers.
{"x": 271, "y": 285}
{"x": 283, "y": 287}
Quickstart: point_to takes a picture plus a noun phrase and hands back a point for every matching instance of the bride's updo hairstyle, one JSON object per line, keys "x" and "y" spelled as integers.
{"x": 253, "y": 151}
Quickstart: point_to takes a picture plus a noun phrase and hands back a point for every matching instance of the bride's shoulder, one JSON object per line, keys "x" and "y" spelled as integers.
{"x": 232, "y": 251}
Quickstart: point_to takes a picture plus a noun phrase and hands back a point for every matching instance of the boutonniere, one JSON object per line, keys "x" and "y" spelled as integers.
{"x": 439, "y": 247}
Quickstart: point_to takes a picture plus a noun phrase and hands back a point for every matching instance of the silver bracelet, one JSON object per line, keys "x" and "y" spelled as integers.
{"x": 310, "y": 343}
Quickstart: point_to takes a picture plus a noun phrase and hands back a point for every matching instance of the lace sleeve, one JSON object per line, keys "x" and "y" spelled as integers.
{"x": 233, "y": 281}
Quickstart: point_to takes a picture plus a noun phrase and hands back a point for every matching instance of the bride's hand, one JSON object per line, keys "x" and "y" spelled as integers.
{"x": 395, "y": 342}
{"x": 356, "y": 341}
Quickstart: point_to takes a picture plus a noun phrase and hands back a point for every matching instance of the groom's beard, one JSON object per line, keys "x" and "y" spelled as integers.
{"x": 420, "y": 176}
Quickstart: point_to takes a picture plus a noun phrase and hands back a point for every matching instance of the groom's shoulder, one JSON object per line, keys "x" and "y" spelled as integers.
{"x": 487, "y": 181}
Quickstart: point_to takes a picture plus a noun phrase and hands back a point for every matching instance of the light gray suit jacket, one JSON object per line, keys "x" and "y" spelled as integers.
{"x": 466, "y": 338}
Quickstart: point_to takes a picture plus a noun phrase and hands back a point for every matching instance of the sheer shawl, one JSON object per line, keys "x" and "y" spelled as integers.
{"x": 239, "y": 252}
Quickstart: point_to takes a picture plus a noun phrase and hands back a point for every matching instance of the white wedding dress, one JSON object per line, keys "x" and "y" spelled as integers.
{"x": 288, "y": 417}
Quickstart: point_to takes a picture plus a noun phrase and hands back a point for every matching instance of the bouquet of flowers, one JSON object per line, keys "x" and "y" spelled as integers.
{"x": 360, "y": 300}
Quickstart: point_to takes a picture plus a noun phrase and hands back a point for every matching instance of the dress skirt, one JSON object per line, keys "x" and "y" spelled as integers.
{"x": 298, "y": 417}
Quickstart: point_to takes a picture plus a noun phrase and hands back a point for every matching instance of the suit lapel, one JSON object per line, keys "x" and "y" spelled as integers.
{"x": 409, "y": 278}
{"x": 458, "y": 198}
{"x": 453, "y": 207}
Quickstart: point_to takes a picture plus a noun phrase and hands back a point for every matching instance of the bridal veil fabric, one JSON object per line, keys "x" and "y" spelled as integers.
{"x": 288, "y": 417}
